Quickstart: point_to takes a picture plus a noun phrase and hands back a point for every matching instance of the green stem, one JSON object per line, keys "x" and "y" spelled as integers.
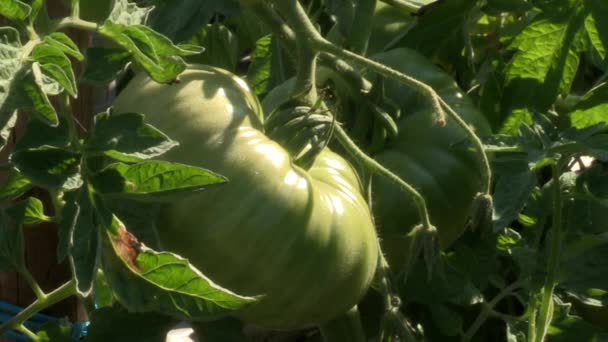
{"x": 74, "y": 22}
{"x": 378, "y": 168}
{"x": 346, "y": 327}
{"x": 322, "y": 44}
{"x": 546, "y": 308}
{"x": 287, "y": 38}
{"x": 488, "y": 310}
{"x": 25, "y": 273}
{"x": 75, "y": 8}
{"x": 532, "y": 320}
{"x": 358, "y": 39}
{"x": 64, "y": 291}
{"x": 27, "y": 332}
{"x": 304, "y": 86}
{"x": 484, "y": 161}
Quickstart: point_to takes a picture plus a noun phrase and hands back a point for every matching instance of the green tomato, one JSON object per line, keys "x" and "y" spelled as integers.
{"x": 423, "y": 155}
{"x": 389, "y": 23}
{"x": 304, "y": 239}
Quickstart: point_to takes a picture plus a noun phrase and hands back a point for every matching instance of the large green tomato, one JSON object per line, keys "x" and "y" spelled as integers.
{"x": 423, "y": 155}
{"x": 302, "y": 238}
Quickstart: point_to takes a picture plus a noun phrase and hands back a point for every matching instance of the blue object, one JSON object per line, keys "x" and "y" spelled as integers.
{"x": 8, "y": 311}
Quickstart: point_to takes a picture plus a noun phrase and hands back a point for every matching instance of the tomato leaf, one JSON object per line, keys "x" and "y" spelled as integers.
{"x": 16, "y": 185}
{"x": 50, "y": 167}
{"x": 55, "y": 64}
{"x": 126, "y": 137}
{"x": 221, "y": 47}
{"x": 14, "y": 10}
{"x": 128, "y": 13}
{"x": 146, "y": 280}
{"x": 104, "y": 64}
{"x": 545, "y": 64}
{"x": 514, "y": 184}
{"x": 64, "y": 43}
{"x": 84, "y": 243}
{"x": 153, "y": 51}
{"x": 55, "y": 331}
{"x": 192, "y": 14}
{"x": 269, "y": 66}
{"x": 153, "y": 181}
{"x": 38, "y": 134}
{"x": 118, "y": 325}
{"x": 592, "y": 109}
{"x": 29, "y": 212}
{"x": 11, "y": 244}
{"x": 65, "y": 228}
{"x": 10, "y": 50}
{"x": 596, "y": 26}
{"x": 33, "y": 94}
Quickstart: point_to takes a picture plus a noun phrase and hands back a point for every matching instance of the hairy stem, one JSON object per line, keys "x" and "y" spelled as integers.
{"x": 376, "y": 167}
{"x": 546, "y": 304}
{"x": 379, "y": 68}
{"x": 484, "y": 161}
{"x": 64, "y": 291}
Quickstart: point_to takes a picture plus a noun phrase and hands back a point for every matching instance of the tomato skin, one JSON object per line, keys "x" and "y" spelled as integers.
{"x": 303, "y": 239}
{"x": 422, "y": 155}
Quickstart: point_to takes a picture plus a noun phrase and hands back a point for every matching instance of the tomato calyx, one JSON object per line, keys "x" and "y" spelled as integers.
{"x": 303, "y": 131}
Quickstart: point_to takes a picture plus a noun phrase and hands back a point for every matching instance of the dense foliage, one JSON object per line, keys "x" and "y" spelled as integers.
{"x": 337, "y": 170}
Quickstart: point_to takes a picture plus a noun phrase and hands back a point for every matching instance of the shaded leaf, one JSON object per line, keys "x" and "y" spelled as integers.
{"x": 84, "y": 244}
{"x": 11, "y": 245}
{"x": 104, "y": 64}
{"x": 181, "y": 19}
{"x": 15, "y": 186}
{"x": 127, "y": 137}
{"x": 118, "y": 325}
{"x": 56, "y": 331}
{"x": 49, "y": 167}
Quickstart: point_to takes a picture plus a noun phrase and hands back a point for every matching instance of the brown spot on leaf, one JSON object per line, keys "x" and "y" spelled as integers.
{"x": 128, "y": 247}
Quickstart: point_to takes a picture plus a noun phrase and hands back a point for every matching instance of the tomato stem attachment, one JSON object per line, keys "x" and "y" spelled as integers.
{"x": 378, "y": 168}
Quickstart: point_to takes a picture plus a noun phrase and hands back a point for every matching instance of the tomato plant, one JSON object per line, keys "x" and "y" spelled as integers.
{"x": 305, "y": 170}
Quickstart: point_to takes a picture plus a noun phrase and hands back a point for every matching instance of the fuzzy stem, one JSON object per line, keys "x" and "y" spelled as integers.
{"x": 323, "y": 45}
{"x": 376, "y": 167}
{"x": 64, "y": 291}
{"x": 486, "y": 170}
